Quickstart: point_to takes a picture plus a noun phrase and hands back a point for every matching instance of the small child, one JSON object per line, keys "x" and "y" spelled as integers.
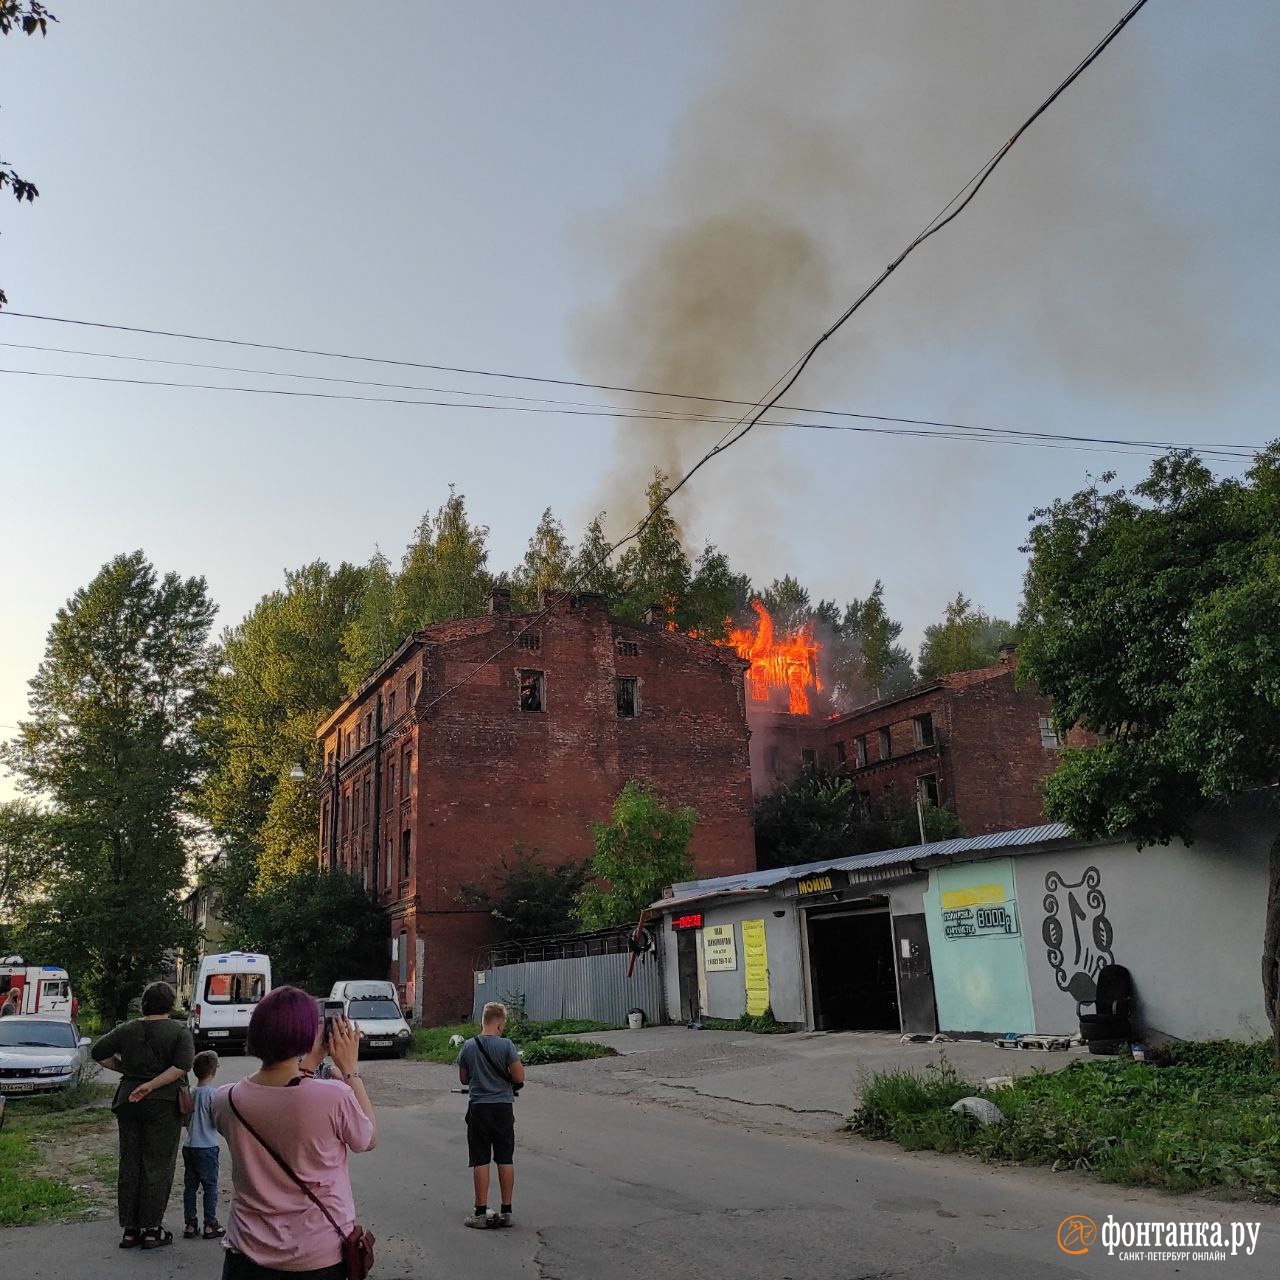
{"x": 200, "y": 1152}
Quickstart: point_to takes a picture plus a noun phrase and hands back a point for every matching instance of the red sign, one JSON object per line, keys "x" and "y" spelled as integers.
{"x": 692, "y": 921}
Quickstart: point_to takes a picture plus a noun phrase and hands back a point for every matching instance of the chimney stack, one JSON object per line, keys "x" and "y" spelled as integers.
{"x": 655, "y": 615}
{"x": 1009, "y": 656}
{"x": 500, "y": 600}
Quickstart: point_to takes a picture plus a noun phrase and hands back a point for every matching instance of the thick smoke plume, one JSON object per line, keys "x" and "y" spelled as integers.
{"x": 830, "y": 135}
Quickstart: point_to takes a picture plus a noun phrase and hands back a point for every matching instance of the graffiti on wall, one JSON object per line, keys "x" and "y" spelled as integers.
{"x": 1077, "y": 934}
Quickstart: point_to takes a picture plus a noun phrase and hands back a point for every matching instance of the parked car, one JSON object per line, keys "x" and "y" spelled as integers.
{"x": 381, "y": 1024}
{"x": 41, "y": 1053}
{"x": 228, "y": 987}
{"x": 363, "y": 989}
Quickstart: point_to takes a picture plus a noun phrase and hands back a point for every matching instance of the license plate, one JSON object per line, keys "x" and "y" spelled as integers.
{"x": 19, "y": 1088}
{"x": 379, "y": 1044}
{"x": 219, "y": 1033}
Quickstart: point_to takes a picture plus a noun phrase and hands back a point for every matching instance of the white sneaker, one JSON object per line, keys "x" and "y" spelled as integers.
{"x": 480, "y": 1220}
{"x": 500, "y": 1220}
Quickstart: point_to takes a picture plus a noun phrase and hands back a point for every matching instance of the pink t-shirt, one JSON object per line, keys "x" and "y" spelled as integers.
{"x": 310, "y": 1125}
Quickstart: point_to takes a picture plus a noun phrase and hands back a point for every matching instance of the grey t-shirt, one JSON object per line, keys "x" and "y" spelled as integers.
{"x": 486, "y": 1084}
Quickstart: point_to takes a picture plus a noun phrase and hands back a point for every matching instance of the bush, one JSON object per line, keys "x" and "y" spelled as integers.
{"x": 431, "y": 1044}
{"x": 1209, "y": 1118}
{"x": 764, "y": 1024}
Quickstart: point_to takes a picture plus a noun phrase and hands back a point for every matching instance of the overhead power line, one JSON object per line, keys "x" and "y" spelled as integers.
{"x": 919, "y": 428}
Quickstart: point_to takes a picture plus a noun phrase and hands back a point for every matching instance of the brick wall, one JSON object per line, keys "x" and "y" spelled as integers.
{"x": 489, "y": 777}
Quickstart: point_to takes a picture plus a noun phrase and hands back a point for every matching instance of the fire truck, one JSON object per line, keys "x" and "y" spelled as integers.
{"x": 40, "y": 988}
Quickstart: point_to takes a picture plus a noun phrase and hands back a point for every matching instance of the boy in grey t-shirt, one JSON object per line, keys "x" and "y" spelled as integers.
{"x": 489, "y": 1064}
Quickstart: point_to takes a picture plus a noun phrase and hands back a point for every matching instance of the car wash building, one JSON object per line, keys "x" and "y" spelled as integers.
{"x": 989, "y": 935}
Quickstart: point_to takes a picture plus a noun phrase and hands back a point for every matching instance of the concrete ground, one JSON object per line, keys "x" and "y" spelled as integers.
{"x": 692, "y": 1153}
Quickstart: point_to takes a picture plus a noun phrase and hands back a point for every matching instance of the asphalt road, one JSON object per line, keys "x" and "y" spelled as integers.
{"x": 609, "y": 1184}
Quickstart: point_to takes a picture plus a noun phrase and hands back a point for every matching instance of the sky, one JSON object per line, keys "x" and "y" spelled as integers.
{"x": 677, "y": 195}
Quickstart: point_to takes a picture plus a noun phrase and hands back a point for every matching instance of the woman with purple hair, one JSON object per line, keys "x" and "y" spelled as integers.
{"x": 282, "y": 1117}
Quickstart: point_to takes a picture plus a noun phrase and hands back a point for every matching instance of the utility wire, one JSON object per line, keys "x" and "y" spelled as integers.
{"x": 909, "y": 427}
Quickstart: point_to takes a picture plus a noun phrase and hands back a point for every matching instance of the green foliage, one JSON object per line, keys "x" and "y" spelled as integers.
{"x": 761, "y": 1024}
{"x": 111, "y": 743}
{"x": 592, "y": 570}
{"x": 967, "y": 639}
{"x": 443, "y": 574}
{"x": 431, "y": 1044}
{"x": 642, "y": 850}
{"x": 655, "y": 568}
{"x": 318, "y": 926}
{"x": 371, "y": 635}
{"x": 546, "y": 567}
{"x": 819, "y": 814}
{"x": 1149, "y": 618}
{"x": 1207, "y": 1120}
{"x": 533, "y": 899}
{"x": 26, "y": 852}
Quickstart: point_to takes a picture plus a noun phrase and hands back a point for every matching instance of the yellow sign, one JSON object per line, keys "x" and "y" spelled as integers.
{"x": 719, "y": 948}
{"x": 816, "y": 884}
{"x": 980, "y": 895}
{"x": 756, "y": 965}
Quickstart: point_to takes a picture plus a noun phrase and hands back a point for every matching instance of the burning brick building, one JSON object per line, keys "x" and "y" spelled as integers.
{"x": 447, "y": 758}
{"x": 972, "y": 741}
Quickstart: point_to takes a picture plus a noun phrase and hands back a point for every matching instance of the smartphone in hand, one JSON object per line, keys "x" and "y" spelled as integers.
{"x": 333, "y": 1010}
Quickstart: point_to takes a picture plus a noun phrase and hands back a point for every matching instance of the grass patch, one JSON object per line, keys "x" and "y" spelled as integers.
{"x": 1207, "y": 1117}
{"x": 761, "y": 1024}
{"x": 51, "y": 1147}
{"x": 431, "y": 1044}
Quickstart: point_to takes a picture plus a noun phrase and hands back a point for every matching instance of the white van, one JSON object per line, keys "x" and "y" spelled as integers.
{"x": 228, "y": 987}
{"x": 363, "y": 989}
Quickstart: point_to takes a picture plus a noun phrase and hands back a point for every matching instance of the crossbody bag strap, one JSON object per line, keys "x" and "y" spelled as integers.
{"x": 502, "y": 1071}
{"x": 271, "y": 1151}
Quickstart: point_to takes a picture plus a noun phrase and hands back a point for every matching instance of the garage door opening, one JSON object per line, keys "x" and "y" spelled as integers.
{"x": 851, "y": 969}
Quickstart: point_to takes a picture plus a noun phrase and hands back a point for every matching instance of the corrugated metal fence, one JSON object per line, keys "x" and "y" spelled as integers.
{"x": 595, "y": 987}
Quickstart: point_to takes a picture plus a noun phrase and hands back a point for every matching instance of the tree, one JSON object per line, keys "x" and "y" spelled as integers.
{"x": 443, "y": 574}
{"x": 642, "y": 850}
{"x": 862, "y": 661}
{"x": 716, "y": 595}
{"x": 280, "y": 675}
{"x": 655, "y": 568}
{"x": 371, "y": 636}
{"x": 26, "y": 853}
{"x": 819, "y": 814}
{"x": 534, "y": 899}
{"x": 547, "y": 563}
{"x": 591, "y": 568}
{"x": 1149, "y": 618}
{"x": 27, "y": 16}
{"x": 318, "y": 926}
{"x": 112, "y": 743}
{"x": 965, "y": 640}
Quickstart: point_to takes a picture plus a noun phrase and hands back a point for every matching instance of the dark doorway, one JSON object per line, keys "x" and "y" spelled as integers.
{"x": 852, "y": 970}
{"x": 687, "y": 971}
{"x": 915, "y": 976}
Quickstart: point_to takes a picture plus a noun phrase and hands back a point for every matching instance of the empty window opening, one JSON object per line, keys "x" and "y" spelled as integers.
{"x": 841, "y": 754}
{"x": 532, "y": 691}
{"x": 367, "y": 810}
{"x": 628, "y": 695}
{"x": 403, "y": 948}
{"x": 410, "y": 688}
{"x": 924, "y": 730}
{"x": 628, "y": 648}
{"x": 391, "y": 707}
{"x": 406, "y": 846}
{"x": 389, "y": 869}
{"x": 1048, "y": 734}
{"x": 406, "y": 773}
{"x": 860, "y": 752}
{"x": 809, "y": 758}
{"x": 886, "y": 744}
{"x": 927, "y": 789}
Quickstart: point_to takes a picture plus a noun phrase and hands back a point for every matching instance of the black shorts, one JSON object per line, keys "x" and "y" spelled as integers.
{"x": 491, "y": 1133}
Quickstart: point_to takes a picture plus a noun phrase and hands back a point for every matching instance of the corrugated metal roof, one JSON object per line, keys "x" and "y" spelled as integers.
{"x": 1022, "y": 838}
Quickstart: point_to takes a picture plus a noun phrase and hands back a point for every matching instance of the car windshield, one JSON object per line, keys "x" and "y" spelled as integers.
{"x": 372, "y": 1009}
{"x": 35, "y": 1034}
{"x": 234, "y": 988}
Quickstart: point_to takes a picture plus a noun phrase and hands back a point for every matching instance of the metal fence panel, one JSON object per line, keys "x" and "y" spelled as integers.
{"x": 594, "y": 987}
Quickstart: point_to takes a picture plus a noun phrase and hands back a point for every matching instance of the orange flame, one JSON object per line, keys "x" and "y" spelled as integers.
{"x": 788, "y": 662}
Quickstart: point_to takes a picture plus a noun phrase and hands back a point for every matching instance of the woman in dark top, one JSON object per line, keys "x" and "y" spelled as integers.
{"x": 153, "y": 1056}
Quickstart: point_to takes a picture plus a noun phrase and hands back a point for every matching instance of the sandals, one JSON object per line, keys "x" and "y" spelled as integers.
{"x": 212, "y": 1231}
{"x": 131, "y": 1238}
{"x": 191, "y": 1231}
{"x": 156, "y": 1237}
